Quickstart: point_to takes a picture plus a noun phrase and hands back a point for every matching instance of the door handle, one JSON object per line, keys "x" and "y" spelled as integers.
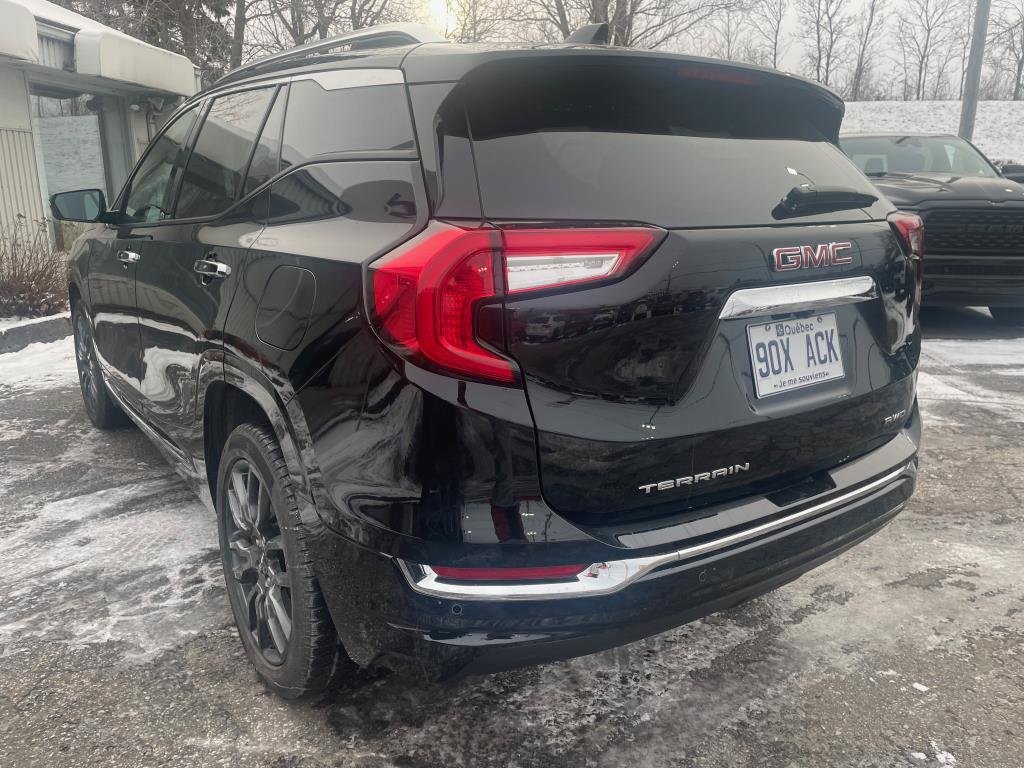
{"x": 128, "y": 257}
{"x": 212, "y": 269}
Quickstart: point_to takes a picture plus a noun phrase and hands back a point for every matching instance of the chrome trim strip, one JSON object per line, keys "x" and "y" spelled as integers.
{"x": 329, "y": 80}
{"x": 798, "y": 297}
{"x": 608, "y": 577}
{"x": 335, "y": 79}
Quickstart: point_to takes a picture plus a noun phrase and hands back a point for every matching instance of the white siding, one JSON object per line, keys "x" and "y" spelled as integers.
{"x": 19, "y": 179}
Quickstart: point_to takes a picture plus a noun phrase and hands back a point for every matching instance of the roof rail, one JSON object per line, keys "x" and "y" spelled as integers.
{"x": 379, "y": 36}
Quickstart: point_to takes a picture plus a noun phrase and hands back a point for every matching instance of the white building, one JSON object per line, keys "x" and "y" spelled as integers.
{"x": 79, "y": 101}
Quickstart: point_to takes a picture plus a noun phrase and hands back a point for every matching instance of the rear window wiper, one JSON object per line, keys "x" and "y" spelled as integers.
{"x": 805, "y": 200}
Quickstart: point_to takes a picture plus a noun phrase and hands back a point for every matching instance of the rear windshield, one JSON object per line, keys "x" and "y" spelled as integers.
{"x": 678, "y": 146}
{"x": 879, "y": 155}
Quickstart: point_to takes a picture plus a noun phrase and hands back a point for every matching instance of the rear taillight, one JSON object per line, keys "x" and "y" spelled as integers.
{"x": 429, "y": 298}
{"x": 541, "y": 259}
{"x": 910, "y": 228}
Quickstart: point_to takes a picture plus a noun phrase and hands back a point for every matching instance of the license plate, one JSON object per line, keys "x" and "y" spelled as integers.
{"x": 791, "y": 354}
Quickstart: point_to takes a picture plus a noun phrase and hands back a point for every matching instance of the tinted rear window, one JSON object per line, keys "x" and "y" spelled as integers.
{"x": 670, "y": 145}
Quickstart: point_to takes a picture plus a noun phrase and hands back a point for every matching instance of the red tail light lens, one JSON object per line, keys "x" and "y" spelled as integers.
{"x": 537, "y": 573}
{"x": 426, "y": 296}
{"x": 910, "y": 228}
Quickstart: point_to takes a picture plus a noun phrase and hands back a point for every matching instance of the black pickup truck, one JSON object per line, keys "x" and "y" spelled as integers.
{"x": 973, "y": 215}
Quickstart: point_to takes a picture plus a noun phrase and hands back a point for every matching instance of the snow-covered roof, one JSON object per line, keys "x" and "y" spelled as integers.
{"x": 100, "y": 51}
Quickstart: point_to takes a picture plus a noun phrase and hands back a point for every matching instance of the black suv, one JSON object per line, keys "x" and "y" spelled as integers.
{"x": 487, "y": 356}
{"x": 974, "y": 216}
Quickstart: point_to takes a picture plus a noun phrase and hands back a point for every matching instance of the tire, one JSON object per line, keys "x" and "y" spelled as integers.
{"x": 100, "y": 407}
{"x": 1008, "y": 315}
{"x": 279, "y": 611}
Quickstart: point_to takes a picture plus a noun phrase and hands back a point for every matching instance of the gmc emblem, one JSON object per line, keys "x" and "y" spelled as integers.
{"x": 811, "y": 256}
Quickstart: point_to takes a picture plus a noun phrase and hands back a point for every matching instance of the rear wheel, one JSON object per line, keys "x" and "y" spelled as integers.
{"x": 1008, "y": 315}
{"x": 100, "y": 407}
{"x": 277, "y": 604}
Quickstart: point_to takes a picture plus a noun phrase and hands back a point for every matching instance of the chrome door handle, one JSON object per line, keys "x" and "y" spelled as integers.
{"x": 212, "y": 269}
{"x": 128, "y": 257}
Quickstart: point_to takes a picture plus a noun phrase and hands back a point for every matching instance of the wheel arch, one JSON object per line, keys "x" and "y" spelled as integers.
{"x": 242, "y": 393}
{"x": 74, "y": 295}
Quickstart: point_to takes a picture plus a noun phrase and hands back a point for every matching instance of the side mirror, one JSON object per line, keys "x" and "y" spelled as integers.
{"x": 87, "y": 205}
{"x": 1013, "y": 172}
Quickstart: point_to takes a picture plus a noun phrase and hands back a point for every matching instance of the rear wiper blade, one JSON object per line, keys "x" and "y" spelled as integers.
{"x": 805, "y": 200}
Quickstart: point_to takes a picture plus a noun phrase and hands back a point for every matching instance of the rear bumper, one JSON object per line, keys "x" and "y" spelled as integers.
{"x": 389, "y": 611}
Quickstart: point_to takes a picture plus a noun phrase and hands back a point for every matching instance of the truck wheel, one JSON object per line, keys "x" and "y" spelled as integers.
{"x": 100, "y": 407}
{"x": 282, "y": 619}
{"x": 1008, "y": 315}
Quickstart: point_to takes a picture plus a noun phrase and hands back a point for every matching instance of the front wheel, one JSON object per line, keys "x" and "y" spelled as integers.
{"x": 1008, "y": 315}
{"x": 280, "y": 612}
{"x": 100, "y": 407}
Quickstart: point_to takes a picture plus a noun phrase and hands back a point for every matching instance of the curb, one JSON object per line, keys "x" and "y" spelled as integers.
{"x": 32, "y": 331}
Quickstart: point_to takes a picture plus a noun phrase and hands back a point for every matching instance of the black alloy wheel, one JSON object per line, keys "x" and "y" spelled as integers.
{"x": 282, "y": 619}
{"x": 100, "y": 407}
{"x": 259, "y": 567}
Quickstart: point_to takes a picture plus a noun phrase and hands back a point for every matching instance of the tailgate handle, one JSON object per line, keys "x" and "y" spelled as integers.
{"x": 798, "y": 297}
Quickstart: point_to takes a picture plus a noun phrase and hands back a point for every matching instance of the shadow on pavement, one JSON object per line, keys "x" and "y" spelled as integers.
{"x": 965, "y": 323}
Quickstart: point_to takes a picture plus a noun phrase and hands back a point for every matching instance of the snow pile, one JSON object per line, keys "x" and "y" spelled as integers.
{"x": 11, "y": 322}
{"x": 42, "y": 365}
{"x": 997, "y": 130}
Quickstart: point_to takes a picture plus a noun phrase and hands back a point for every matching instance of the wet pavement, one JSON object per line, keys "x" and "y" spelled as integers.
{"x": 117, "y": 648}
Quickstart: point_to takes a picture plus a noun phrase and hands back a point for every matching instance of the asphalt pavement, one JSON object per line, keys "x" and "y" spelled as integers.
{"x": 117, "y": 647}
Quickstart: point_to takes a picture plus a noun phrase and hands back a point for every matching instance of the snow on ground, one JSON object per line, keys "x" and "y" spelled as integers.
{"x": 43, "y": 365}
{"x": 125, "y": 552}
{"x": 135, "y": 563}
{"x": 997, "y": 130}
{"x": 105, "y": 557}
{"x": 10, "y": 322}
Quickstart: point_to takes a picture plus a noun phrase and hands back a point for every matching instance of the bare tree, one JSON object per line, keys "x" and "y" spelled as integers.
{"x": 828, "y": 23}
{"x": 727, "y": 36}
{"x": 867, "y": 30}
{"x": 275, "y": 25}
{"x": 478, "y": 20}
{"x": 766, "y": 21}
{"x": 238, "y": 24}
{"x": 1008, "y": 37}
{"x": 960, "y": 46}
{"x": 635, "y": 23}
{"x": 924, "y": 32}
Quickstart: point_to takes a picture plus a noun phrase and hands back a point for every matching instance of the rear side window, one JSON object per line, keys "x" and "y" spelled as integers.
{"x": 268, "y": 149}
{"x": 323, "y": 121}
{"x": 213, "y": 176}
{"x": 151, "y": 192}
{"x": 677, "y": 144}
